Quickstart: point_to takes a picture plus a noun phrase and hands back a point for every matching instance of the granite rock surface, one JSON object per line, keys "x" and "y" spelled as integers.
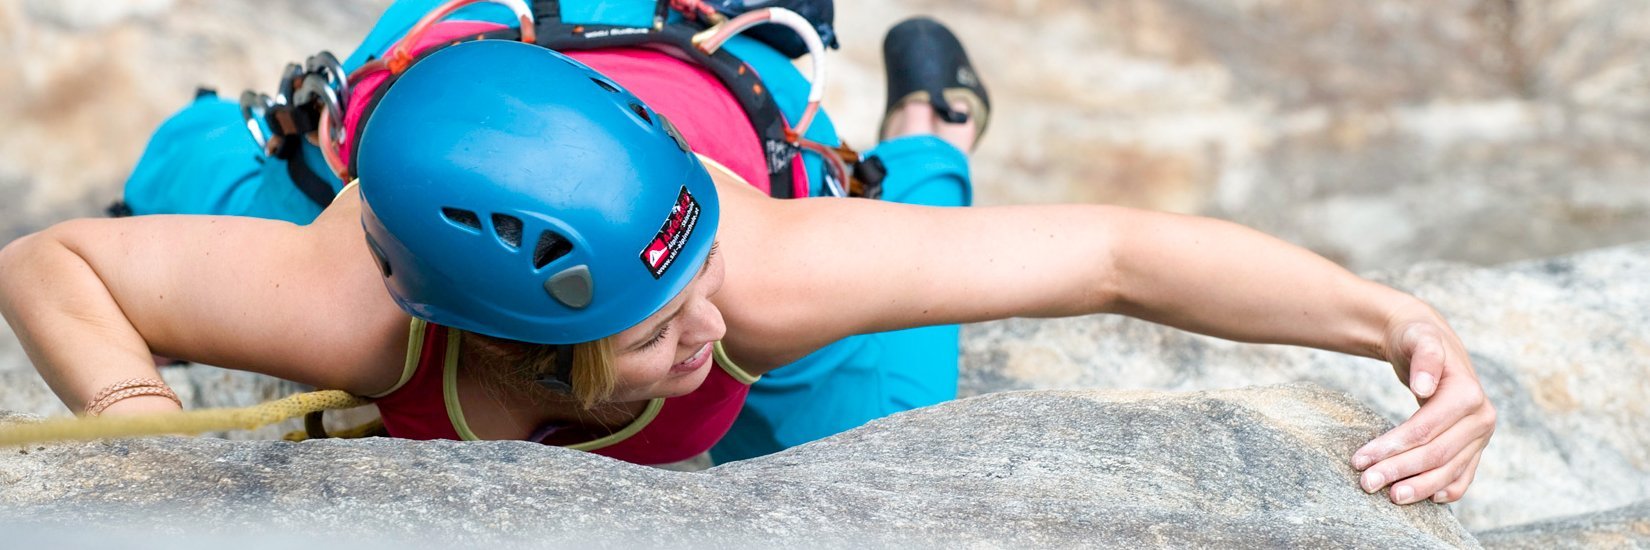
{"x": 1562, "y": 347}
{"x": 1251, "y": 467}
{"x": 1376, "y": 133}
{"x": 1625, "y": 527}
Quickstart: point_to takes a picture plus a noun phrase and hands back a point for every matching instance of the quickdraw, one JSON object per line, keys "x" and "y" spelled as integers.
{"x": 307, "y": 98}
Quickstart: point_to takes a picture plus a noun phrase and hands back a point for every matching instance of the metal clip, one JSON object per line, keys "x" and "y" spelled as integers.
{"x": 316, "y": 88}
{"x": 254, "y": 106}
{"x": 291, "y": 75}
{"x": 327, "y": 65}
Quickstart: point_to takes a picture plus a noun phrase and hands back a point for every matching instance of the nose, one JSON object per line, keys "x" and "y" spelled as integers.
{"x": 702, "y": 324}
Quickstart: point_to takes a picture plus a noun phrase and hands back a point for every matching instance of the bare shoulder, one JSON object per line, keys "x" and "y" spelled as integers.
{"x": 304, "y": 303}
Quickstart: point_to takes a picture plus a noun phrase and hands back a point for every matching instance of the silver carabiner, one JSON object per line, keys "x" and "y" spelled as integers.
{"x": 288, "y": 84}
{"x": 254, "y": 110}
{"x": 711, "y": 39}
{"x": 327, "y": 65}
{"x": 315, "y": 87}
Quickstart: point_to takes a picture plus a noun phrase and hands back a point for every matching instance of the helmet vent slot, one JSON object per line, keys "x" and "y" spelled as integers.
{"x": 462, "y": 217}
{"x": 508, "y": 229}
{"x": 550, "y": 247}
{"x": 605, "y": 85}
{"x": 641, "y": 112}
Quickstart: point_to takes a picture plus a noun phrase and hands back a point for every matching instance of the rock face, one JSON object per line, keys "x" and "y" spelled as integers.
{"x": 1562, "y": 347}
{"x": 1254, "y": 467}
{"x": 1377, "y": 133}
{"x": 1625, "y": 527}
{"x": 1571, "y": 439}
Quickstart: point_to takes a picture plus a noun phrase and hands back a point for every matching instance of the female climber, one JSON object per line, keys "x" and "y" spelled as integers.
{"x": 578, "y": 251}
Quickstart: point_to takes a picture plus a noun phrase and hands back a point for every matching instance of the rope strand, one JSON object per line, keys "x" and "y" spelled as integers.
{"x": 178, "y": 423}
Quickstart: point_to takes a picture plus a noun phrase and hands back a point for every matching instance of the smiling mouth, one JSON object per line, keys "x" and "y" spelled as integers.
{"x": 692, "y": 363}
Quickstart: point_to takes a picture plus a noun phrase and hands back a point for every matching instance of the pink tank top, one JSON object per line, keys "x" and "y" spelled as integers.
{"x": 714, "y": 125}
{"x": 668, "y": 430}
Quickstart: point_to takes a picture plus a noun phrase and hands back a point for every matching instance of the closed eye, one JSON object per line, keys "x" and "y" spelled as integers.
{"x": 660, "y": 337}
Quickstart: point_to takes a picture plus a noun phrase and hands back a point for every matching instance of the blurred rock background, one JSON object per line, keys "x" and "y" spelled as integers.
{"x": 1378, "y": 133}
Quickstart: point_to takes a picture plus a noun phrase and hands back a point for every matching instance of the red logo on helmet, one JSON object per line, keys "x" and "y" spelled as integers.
{"x": 661, "y": 252}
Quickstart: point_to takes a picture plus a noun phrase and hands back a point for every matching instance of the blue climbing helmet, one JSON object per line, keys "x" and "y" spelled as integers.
{"x": 511, "y": 191}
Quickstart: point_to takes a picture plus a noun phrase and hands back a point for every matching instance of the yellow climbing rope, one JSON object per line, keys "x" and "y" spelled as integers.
{"x": 184, "y": 422}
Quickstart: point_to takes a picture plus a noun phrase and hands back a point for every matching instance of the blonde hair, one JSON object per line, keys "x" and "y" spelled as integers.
{"x": 513, "y": 366}
{"x": 594, "y": 372}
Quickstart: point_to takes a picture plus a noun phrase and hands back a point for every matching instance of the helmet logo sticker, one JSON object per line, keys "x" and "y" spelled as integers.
{"x": 661, "y": 252}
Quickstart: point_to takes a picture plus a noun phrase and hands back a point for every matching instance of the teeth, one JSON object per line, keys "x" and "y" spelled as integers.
{"x": 695, "y": 357}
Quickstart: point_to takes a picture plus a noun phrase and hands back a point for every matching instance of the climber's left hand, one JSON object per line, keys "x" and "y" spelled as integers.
{"x": 1435, "y": 453}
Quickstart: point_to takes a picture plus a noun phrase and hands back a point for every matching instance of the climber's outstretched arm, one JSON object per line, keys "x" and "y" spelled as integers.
{"x": 854, "y": 266}
{"x": 1223, "y": 279}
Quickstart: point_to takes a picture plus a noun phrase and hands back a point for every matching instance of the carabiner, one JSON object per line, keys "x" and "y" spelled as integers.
{"x": 315, "y": 88}
{"x": 327, "y": 65}
{"x": 254, "y": 108}
{"x": 711, "y": 39}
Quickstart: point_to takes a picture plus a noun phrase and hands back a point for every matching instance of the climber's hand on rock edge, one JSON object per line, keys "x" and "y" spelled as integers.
{"x": 1435, "y": 453}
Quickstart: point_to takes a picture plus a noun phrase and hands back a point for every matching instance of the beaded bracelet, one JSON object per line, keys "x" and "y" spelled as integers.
{"x": 128, "y": 388}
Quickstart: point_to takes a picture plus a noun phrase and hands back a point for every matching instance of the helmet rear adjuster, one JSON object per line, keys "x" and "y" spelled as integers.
{"x": 572, "y": 286}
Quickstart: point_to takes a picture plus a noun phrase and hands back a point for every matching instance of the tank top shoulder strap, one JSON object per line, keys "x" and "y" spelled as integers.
{"x": 415, "y": 350}
{"x": 720, "y": 355}
{"x": 717, "y": 167}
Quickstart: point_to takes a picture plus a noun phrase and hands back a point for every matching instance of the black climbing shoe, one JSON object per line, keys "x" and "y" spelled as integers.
{"x": 925, "y": 62}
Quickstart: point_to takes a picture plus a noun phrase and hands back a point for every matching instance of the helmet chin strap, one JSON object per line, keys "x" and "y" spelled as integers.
{"x": 560, "y": 381}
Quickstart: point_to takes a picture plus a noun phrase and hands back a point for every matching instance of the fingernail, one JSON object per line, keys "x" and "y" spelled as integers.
{"x": 1361, "y": 461}
{"x": 1424, "y": 384}
{"x": 1440, "y": 497}
{"x": 1373, "y": 481}
{"x": 1404, "y": 494}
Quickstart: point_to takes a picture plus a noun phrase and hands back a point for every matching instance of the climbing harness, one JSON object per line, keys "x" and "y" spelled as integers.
{"x": 314, "y": 98}
{"x": 183, "y": 422}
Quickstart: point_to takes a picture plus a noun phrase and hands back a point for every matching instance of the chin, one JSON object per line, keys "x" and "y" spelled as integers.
{"x": 675, "y": 384}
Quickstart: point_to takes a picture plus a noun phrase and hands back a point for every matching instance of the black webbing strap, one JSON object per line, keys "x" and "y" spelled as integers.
{"x": 311, "y": 184}
{"x": 560, "y": 381}
{"x": 361, "y": 121}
